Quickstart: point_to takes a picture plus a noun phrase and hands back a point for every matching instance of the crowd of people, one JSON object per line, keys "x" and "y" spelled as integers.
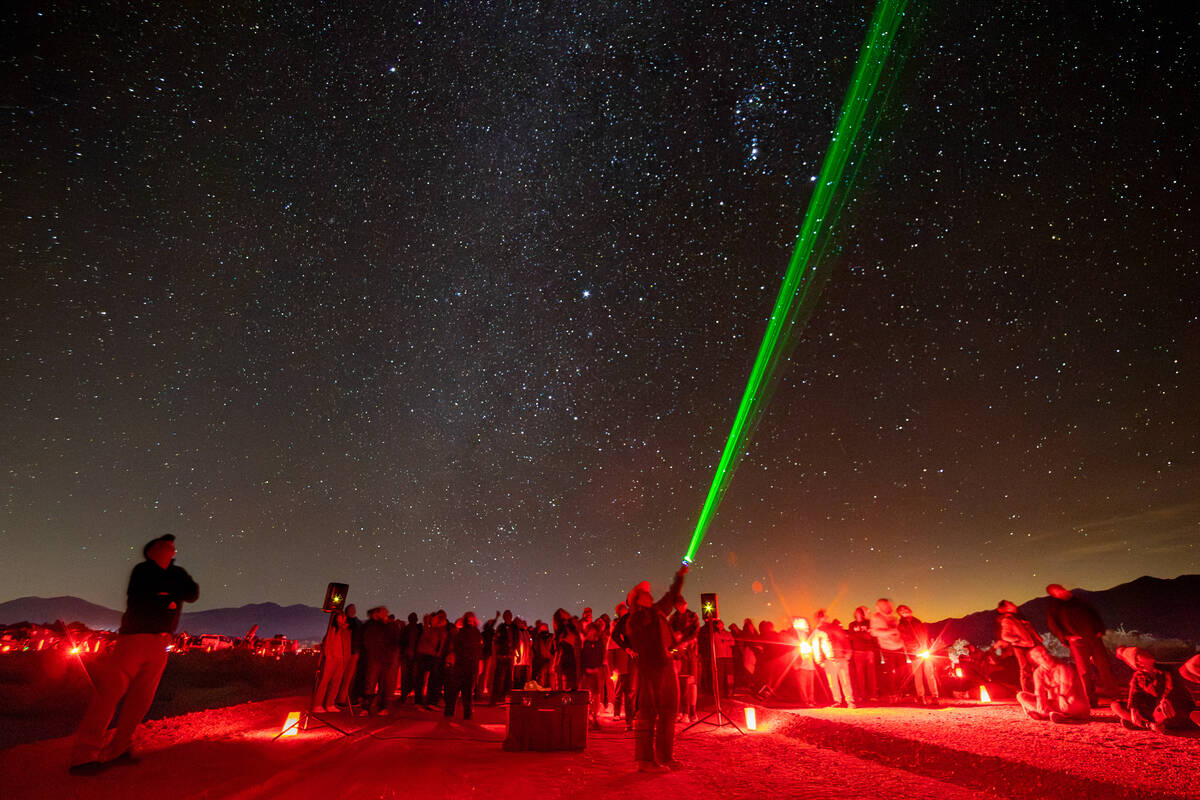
{"x": 649, "y": 663}
{"x": 658, "y": 657}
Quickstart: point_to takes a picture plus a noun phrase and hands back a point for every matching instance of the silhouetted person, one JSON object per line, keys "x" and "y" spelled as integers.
{"x": 157, "y": 590}
{"x": 462, "y": 664}
{"x": 865, "y": 659}
{"x": 381, "y": 649}
{"x": 649, "y": 633}
{"x": 1058, "y": 694}
{"x": 568, "y": 641}
{"x": 1079, "y": 627}
{"x": 504, "y": 650}
{"x": 409, "y": 637}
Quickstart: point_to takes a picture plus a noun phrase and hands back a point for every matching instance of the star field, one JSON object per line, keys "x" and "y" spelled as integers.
{"x": 455, "y": 302}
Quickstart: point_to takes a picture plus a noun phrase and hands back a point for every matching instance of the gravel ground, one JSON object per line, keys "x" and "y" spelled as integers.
{"x": 950, "y": 753}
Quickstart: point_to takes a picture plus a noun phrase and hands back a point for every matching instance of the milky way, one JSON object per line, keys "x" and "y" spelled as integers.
{"x": 456, "y": 304}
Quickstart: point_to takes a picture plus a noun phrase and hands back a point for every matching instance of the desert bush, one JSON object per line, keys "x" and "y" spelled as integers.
{"x": 1161, "y": 649}
{"x": 1056, "y": 648}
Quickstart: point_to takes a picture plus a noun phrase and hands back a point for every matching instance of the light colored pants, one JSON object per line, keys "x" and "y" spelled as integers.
{"x": 132, "y": 672}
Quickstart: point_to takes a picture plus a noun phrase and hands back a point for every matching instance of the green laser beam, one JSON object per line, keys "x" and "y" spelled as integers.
{"x": 800, "y": 281}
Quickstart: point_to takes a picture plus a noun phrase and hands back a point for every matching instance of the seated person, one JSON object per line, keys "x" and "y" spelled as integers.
{"x": 1158, "y": 699}
{"x": 1058, "y": 693}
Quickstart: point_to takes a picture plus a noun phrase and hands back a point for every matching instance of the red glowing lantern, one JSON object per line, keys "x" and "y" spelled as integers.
{"x": 984, "y": 697}
{"x": 751, "y": 720}
{"x": 291, "y": 725}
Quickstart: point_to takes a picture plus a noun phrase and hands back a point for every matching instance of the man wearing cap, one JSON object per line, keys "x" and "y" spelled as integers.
{"x": 157, "y": 590}
{"x": 1079, "y": 627}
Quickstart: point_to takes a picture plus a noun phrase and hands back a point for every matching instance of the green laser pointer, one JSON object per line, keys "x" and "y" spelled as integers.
{"x": 802, "y": 266}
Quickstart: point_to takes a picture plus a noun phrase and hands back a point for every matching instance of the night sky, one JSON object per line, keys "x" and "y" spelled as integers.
{"x": 456, "y": 304}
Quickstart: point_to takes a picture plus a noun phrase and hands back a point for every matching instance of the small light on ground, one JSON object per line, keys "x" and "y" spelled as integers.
{"x": 292, "y": 725}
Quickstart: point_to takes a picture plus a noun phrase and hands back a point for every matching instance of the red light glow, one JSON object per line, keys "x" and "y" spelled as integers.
{"x": 984, "y": 697}
{"x": 751, "y": 720}
{"x": 291, "y": 725}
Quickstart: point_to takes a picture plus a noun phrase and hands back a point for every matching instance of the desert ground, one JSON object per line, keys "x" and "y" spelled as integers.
{"x": 961, "y": 750}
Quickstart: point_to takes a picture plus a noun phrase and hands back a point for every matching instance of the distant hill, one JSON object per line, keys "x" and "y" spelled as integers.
{"x": 50, "y": 609}
{"x": 1163, "y": 607}
{"x": 296, "y": 622}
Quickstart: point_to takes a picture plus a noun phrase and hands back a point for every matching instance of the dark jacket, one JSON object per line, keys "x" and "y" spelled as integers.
{"x": 860, "y": 637}
{"x": 355, "y": 624}
{"x": 1070, "y": 618}
{"x": 155, "y": 598}
{"x": 408, "y": 640}
{"x": 504, "y": 643}
{"x": 649, "y": 631}
{"x": 1160, "y": 689}
{"x": 379, "y": 640}
{"x": 467, "y": 648}
{"x": 593, "y": 654}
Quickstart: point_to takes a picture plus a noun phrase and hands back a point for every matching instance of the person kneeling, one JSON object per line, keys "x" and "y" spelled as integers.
{"x": 1058, "y": 693}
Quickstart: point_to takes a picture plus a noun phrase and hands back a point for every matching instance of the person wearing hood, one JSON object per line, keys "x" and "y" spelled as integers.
{"x": 157, "y": 590}
{"x": 650, "y": 636}
{"x": 1158, "y": 700}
